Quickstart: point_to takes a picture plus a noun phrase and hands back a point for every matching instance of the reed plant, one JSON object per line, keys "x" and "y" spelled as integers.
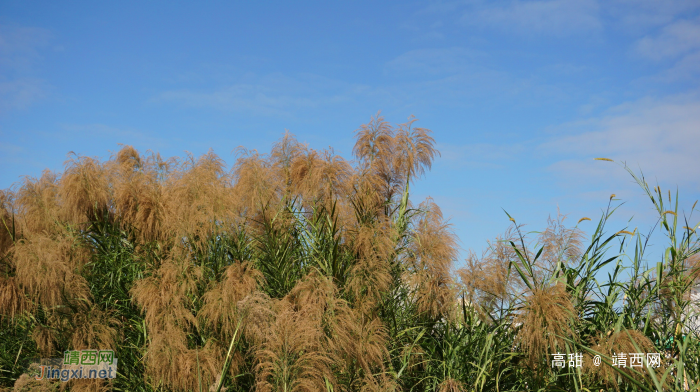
{"x": 300, "y": 271}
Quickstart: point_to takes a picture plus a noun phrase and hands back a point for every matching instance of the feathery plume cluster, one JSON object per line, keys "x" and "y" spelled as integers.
{"x": 560, "y": 245}
{"x": 298, "y": 270}
{"x": 489, "y": 281}
{"x": 84, "y": 189}
{"x": 613, "y": 343}
{"x": 433, "y": 250}
{"x": 546, "y": 317}
{"x": 138, "y": 198}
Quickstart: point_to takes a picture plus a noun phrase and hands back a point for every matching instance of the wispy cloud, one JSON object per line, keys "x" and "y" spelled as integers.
{"x": 560, "y": 17}
{"x": 110, "y": 135}
{"x": 21, "y": 93}
{"x": 20, "y": 47}
{"x": 635, "y": 16}
{"x": 20, "y": 52}
{"x": 659, "y": 135}
{"x": 479, "y": 155}
{"x": 677, "y": 44}
{"x": 434, "y": 62}
{"x": 684, "y": 69}
{"x": 10, "y": 149}
{"x": 273, "y": 94}
{"x": 674, "y": 40}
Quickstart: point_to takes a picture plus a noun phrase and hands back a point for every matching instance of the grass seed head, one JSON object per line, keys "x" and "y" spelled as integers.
{"x": 13, "y": 301}
{"x": 38, "y": 205}
{"x": 84, "y": 189}
{"x": 46, "y": 269}
{"x": 547, "y": 315}
{"x": 611, "y": 343}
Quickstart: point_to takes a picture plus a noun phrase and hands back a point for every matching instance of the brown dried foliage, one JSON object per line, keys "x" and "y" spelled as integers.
{"x": 292, "y": 353}
{"x": 378, "y": 383}
{"x": 197, "y": 197}
{"x": 309, "y": 336}
{"x": 432, "y": 253}
{"x": 451, "y": 385}
{"x": 256, "y": 185}
{"x": 169, "y": 361}
{"x": 390, "y": 156}
{"x": 38, "y": 204}
{"x": 561, "y": 245}
{"x": 93, "y": 327}
{"x": 546, "y": 316}
{"x": 47, "y": 269}
{"x": 489, "y": 281}
{"x": 292, "y": 357}
{"x": 84, "y": 189}
{"x": 370, "y": 276}
{"x": 45, "y": 339}
{"x": 257, "y": 316}
{"x": 220, "y": 303}
{"x": 321, "y": 179}
{"x": 13, "y": 302}
{"x": 7, "y": 222}
{"x": 163, "y": 297}
{"x": 26, "y": 383}
{"x": 300, "y": 338}
{"x": 138, "y": 192}
{"x": 89, "y": 385}
{"x": 623, "y": 341}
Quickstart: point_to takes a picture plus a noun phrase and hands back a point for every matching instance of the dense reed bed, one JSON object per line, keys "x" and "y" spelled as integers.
{"x": 300, "y": 271}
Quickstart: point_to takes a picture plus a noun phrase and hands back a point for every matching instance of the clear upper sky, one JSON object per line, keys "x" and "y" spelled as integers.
{"x": 521, "y": 95}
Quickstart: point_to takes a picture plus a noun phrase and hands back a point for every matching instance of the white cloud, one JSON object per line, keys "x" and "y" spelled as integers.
{"x": 20, "y": 51}
{"x": 685, "y": 68}
{"x": 246, "y": 98}
{"x": 19, "y": 94}
{"x": 675, "y": 39}
{"x": 20, "y": 47}
{"x": 659, "y": 136}
{"x": 479, "y": 155}
{"x": 561, "y": 17}
{"x": 431, "y": 62}
{"x": 110, "y": 134}
{"x": 638, "y": 15}
{"x": 274, "y": 94}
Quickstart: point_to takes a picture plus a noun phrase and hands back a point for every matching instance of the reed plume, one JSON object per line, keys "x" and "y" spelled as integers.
{"x": 197, "y": 199}
{"x": 292, "y": 357}
{"x": 560, "y": 245}
{"x": 47, "y": 270}
{"x": 298, "y": 270}
{"x": 489, "y": 280}
{"x": 164, "y": 296}
{"x": 451, "y": 385}
{"x": 84, "y": 189}
{"x": 93, "y": 327}
{"x": 219, "y": 310}
{"x": 13, "y": 301}
{"x": 39, "y": 209}
{"x": 139, "y": 201}
{"x": 170, "y": 362}
{"x": 26, "y": 383}
{"x": 8, "y": 227}
{"x": 545, "y": 319}
{"x": 370, "y": 277}
{"x": 432, "y": 252}
{"x": 624, "y": 342}
{"x": 258, "y": 188}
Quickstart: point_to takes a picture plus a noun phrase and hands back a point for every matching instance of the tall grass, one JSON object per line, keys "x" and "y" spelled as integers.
{"x": 301, "y": 271}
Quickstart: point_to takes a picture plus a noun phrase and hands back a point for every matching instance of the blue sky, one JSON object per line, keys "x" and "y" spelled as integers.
{"x": 520, "y": 95}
